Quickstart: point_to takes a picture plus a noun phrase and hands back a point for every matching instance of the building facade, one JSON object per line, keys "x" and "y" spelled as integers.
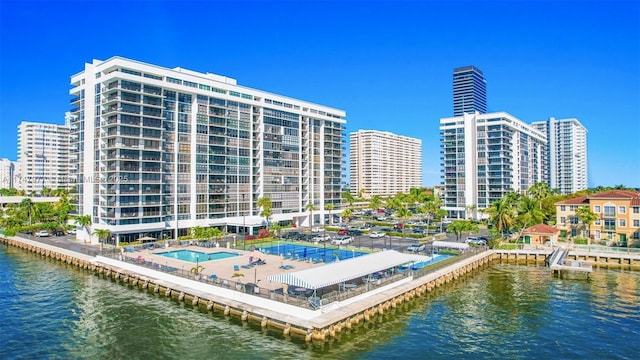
{"x": 383, "y": 163}
{"x": 43, "y": 155}
{"x": 617, "y": 217}
{"x": 469, "y": 91}
{"x": 484, "y": 156}
{"x": 158, "y": 151}
{"x": 567, "y": 140}
{"x": 6, "y": 174}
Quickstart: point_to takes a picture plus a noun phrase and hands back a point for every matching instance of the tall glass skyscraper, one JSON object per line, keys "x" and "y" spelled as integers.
{"x": 469, "y": 91}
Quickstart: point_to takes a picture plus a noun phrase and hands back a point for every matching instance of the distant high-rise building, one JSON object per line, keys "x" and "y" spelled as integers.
{"x": 485, "y": 156}
{"x": 43, "y": 154}
{"x": 385, "y": 164}
{"x": 567, "y": 144}
{"x": 469, "y": 91}
{"x": 6, "y": 174}
{"x": 158, "y": 151}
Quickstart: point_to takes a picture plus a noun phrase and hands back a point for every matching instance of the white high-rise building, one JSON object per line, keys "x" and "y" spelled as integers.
{"x": 158, "y": 151}
{"x": 6, "y": 174}
{"x": 485, "y": 156}
{"x": 43, "y": 155}
{"x": 383, "y": 163}
{"x": 567, "y": 140}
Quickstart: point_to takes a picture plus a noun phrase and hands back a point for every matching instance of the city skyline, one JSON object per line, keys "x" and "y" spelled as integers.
{"x": 388, "y": 65}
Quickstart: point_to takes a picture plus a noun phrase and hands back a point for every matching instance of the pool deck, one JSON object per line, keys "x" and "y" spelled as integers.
{"x": 223, "y": 268}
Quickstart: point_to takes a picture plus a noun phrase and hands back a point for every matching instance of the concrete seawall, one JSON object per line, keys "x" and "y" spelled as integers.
{"x": 319, "y": 325}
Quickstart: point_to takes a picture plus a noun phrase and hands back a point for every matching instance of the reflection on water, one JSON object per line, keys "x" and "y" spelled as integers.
{"x": 53, "y": 311}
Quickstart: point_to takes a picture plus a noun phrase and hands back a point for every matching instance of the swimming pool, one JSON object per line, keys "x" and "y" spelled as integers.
{"x": 196, "y": 256}
{"x": 327, "y": 254}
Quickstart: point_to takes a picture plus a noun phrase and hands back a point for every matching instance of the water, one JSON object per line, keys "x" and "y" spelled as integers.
{"x": 196, "y": 256}
{"x": 53, "y": 311}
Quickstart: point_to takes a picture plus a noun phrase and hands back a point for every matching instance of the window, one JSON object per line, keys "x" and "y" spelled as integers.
{"x": 563, "y": 208}
{"x": 563, "y": 220}
{"x": 636, "y": 223}
{"x": 636, "y": 209}
{"x": 609, "y": 210}
{"x": 609, "y": 224}
{"x": 622, "y": 222}
{"x": 596, "y": 209}
{"x": 597, "y": 222}
{"x": 622, "y": 209}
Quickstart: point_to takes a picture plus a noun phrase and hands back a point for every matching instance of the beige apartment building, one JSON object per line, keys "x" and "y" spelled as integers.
{"x": 383, "y": 163}
{"x": 618, "y": 213}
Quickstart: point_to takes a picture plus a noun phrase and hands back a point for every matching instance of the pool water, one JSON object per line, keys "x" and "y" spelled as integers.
{"x": 328, "y": 254}
{"x": 197, "y": 256}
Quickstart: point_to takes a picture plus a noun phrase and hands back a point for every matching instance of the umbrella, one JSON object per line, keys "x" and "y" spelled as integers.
{"x": 147, "y": 238}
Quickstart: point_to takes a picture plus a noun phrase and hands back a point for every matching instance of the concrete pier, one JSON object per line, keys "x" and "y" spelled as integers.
{"x": 311, "y": 325}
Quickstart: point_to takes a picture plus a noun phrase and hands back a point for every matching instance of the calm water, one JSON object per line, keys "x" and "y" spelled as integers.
{"x": 196, "y": 256}
{"x": 51, "y": 311}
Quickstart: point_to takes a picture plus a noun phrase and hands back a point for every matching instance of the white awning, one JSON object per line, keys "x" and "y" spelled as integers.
{"x": 450, "y": 245}
{"x": 345, "y": 270}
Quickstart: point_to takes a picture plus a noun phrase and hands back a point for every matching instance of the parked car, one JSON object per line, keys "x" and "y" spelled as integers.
{"x": 316, "y": 229}
{"x": 398, "y": 226}
{"x": 416, "y": 247}
{"x": 72, "y": 231}
{"x": 322, "y": 238}
{"x": 343, "y": 240}
{"x": 58, "y": 233}
{"x": 342, "y": 232}
{"x": 476, "y": 241}
{"x": 354, "y": 232}
{"x": 420, "y": 231}
{"x": 376, "y": 234}
{"x": 42, "y": 233}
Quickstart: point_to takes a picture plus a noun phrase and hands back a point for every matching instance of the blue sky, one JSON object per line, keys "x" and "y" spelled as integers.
{"x": 387, "y": 64}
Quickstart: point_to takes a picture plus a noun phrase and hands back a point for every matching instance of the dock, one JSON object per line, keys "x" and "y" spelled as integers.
{"x": 344, "y": 311}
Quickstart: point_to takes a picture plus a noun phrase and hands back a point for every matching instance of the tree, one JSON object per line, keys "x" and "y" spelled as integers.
{"x": 310, "y": 207}
{"x": 403, "y": 213}
{"x": 31, "y": 211}
{"x": 346, "y": 214}
{"x": 102, "y": 234}
{"x": 265, "y": 203}
{"x": 330, "y": 207}
{"x": 375, "y": 203}
{"x": 529, "y": 213}
{"x": 346, "y": 195}
{"x": 502, "y": 213}
{"x": 587, "y": 217}
{"x": 84, "y": 221}
{"x": 198, "y": 233}
{"x": 462, "y": 226}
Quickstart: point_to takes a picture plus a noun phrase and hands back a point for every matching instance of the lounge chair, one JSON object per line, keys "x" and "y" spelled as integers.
{"x": 314, "y": 302}
{"x": 246, "y": 266}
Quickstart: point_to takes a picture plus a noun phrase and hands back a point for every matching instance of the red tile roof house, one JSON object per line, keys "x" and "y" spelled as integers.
{"x": 540, "y": 234}
{"x": 618, "y": 217}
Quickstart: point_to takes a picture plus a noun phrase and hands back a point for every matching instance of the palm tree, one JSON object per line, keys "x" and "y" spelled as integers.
{"x": 346, "y": 214}
{"x": 198, "y": 233}
{"x": 84, "y": 221}
{"x": 102, "y": 234}
{"x": 30, "y": 210}
{"x": 310, "y": 207}
{"x": 346, "y": 195}
{"x": 462, "y": 226}
{"x": 403, "y": 213}
{"x": 529, "y": 213}
{"x": 587, "y": 217}
{"x": 502, "y": 213}
{"x": 330, "y": 207}
{"x": 375, "y": 203}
